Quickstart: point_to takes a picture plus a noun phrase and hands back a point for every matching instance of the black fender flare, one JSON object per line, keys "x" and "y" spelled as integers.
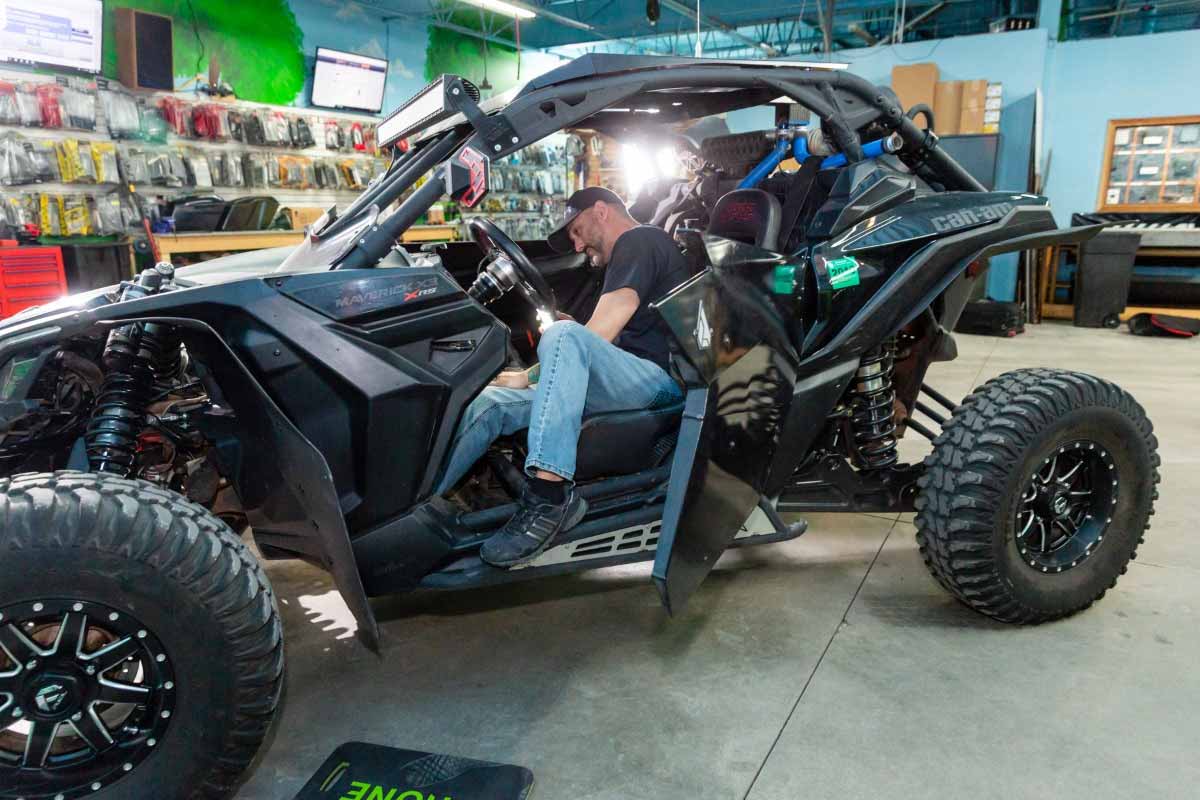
{"x": 282, "y": 479}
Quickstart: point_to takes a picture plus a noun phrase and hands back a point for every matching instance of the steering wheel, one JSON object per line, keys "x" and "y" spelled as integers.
{"x": 523, "y": 274}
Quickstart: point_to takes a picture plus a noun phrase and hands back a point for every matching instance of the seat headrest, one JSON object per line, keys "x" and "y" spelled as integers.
{"x": 748, "y": 215}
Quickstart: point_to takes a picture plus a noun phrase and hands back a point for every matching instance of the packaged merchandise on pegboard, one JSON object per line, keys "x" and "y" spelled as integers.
{"x": 121, "y": 113}
{"x": 154, "y": 125}
{"x": 109, "y": 216}
{"x": 275, "y": 128}
{"x": 211, "y": 121}
{"x": 76, "y": 215}
{"x": 226, "y": 169}
{"x": 135, "y": 166}
{"x": 10, "y": 112}
{"x": 167, "y": 168}
{"x": 16, "y": 160}
{"x": 177, "y": 115}
{"x": 78, "y": 106}
{"x": 254, "y": 170}
{"x": 28, "y": 105}
{"x": 50, "y": 214}
{"x": 291, "y": 172}
{"x": 75, "y": 161}
{"x": 19, "y": 210}
{"x": 199, "y": 175}
{"x": 104, "y": 155}
{"x": 49, "y": 110}
{"x": 301, "y": 133}
{"x": 335, "y": 136}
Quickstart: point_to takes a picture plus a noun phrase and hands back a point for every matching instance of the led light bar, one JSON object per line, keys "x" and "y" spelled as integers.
{"x": 427, "y": 107}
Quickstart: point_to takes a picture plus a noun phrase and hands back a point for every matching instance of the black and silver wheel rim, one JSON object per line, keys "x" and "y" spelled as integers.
{"x": 1066, "y": 507}
{"x": 86, "y": 693}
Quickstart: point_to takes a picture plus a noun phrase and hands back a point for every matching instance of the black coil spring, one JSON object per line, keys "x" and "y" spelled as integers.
{"x": 133, "y": 356}
{"x": 119, "y": 416}
{"x": 164, "y": 346}
{"x": 873, "y": 411}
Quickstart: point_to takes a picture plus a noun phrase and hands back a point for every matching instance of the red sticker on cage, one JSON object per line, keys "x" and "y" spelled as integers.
{"x": 477, "y": 163}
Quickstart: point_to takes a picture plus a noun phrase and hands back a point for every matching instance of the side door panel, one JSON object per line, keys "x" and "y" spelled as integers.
{"x": 740, "y": 376}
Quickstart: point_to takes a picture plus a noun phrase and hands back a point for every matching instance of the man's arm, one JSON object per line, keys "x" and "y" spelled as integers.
{"x": 613, "y": 312}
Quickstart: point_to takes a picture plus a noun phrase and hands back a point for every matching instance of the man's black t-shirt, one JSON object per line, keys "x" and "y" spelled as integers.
{"x": 646, "y": 260}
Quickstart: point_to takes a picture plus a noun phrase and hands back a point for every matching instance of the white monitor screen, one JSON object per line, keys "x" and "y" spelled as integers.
{"x": 63, "y": 33}
{"x": 348, "y": 80}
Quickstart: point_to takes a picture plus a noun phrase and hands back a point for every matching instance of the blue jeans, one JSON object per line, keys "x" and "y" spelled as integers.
{"x": 580, "y": 374}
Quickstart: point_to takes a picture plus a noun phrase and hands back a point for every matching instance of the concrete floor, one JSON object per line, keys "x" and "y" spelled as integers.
{"x": 831, "y": 666}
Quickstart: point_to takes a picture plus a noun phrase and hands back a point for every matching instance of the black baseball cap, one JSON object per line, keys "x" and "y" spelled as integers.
{"x": 560, "y": 240}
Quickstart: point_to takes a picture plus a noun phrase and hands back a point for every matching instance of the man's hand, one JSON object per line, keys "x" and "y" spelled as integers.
{"x": 519, "y": 379}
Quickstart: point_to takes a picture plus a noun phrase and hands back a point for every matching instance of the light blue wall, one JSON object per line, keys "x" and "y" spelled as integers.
{"x": 1017, "y": 59}
{"x": 1084, "y": 84}
{"x": 1093, "y": 81}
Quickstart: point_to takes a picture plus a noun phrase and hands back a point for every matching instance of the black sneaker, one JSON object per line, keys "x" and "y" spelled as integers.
{"x": 532, "y": 529}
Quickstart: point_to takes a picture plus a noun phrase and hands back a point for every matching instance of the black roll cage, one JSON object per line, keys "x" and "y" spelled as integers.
{"x": 582, "y": 89}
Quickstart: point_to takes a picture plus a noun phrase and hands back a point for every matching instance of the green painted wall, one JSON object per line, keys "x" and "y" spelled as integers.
{"x": 257, "y": 42}
{"x": 453, "y": 52}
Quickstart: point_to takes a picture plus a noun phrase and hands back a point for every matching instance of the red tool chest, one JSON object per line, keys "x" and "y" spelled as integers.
{"x": 30, "y": 276}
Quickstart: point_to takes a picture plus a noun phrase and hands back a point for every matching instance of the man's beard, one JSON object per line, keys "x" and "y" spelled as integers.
{"x": 595, "y": 257}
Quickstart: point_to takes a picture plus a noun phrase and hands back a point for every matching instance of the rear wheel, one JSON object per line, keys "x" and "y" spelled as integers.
{"x": 1037, "y": 494}
{"x": 140, "y": 648}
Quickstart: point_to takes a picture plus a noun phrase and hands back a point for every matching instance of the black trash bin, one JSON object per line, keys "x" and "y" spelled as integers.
{"x": 1102, "y": 280}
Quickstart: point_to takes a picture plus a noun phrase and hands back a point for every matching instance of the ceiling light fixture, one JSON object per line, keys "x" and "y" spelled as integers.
{"x": 507, "y": 9}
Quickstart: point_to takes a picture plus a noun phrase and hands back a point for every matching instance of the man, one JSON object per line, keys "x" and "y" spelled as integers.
{"x": 616, "y": 362}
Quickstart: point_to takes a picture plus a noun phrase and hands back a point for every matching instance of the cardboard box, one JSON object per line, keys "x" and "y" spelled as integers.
{"x": 914, "y": 83}
{"x": 974, "y": 99}
{"x": 947, "y": 106}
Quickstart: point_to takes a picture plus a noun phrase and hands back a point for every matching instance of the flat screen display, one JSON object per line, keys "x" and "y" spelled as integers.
{"x": 62, "y": 33}
{"x": 348, "y": 80}
{"x": 977, "y": 153}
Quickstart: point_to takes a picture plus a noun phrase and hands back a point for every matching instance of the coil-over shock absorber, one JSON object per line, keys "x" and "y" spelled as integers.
{"x": 163, "y": 342}
{"x": 129, "y": 365}
{"x": 873, "y": 411}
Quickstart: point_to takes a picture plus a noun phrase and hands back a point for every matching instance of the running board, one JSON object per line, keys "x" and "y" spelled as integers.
{"x": 627, "y": 545}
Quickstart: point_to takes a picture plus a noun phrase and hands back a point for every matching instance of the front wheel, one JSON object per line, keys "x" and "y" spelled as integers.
{"x": 141, "y": 651}
{"x": 1037, "y": 493}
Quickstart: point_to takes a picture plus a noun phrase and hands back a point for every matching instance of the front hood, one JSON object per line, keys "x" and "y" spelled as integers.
{"x": 236, "y": 267}
{"x": 251, "y": 264}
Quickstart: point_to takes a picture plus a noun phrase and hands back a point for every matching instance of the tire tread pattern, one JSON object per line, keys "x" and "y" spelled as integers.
{"x": 189, "y": 546}
{"x": 979, "y": 446}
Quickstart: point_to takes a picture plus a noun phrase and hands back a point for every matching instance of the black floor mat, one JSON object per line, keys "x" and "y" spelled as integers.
{"x": 360, "y": 771}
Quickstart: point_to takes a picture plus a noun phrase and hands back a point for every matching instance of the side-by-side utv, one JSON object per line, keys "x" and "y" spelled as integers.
{"x": 309, "y": 396}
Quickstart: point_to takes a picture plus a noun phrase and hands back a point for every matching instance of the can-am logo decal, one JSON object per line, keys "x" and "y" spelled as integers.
{"x": 703, "y": 331}
{"x": 971, "y": 216}
{"x": 409, "y": 291}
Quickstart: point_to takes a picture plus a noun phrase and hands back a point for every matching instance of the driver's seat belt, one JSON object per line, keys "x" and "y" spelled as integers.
{"x": 797, "y": 196}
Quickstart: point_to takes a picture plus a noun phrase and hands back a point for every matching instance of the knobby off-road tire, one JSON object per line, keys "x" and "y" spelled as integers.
{"x": 144, "y": 566}
{"x": 999, "y": 449}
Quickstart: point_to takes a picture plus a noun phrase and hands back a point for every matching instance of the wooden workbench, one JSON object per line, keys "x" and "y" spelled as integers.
{"x": 1048, "y": 284}
{"x": 170, "y": 244}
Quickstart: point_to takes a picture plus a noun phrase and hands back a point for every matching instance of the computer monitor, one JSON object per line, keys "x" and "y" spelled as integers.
{"x": 977, "y": 153}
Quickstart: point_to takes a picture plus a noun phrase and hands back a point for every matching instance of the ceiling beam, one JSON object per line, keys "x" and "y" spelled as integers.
{"x": 546, "y": 13}
{"x": 713, "y": 22}
{"x": 864, "y": 34}
{"x": 917, "y": 20}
